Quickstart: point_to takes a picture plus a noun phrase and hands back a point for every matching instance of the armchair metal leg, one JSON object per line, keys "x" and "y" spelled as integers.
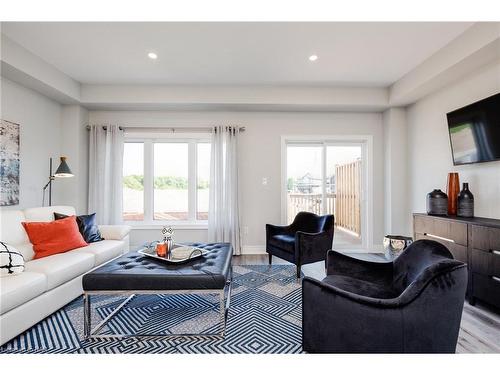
{"x": 298, "y": 271}
{"x": 270, "y": 259}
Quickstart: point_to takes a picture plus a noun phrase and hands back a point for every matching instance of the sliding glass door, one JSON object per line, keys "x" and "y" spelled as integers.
{"x": 304, "y": 180}
{"x": 344, "y": 178}
{"x": 328, "y": 178}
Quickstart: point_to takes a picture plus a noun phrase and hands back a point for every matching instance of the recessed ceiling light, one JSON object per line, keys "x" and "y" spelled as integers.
{"x": 313, "y": 58}
{"x": 152, "y": 55}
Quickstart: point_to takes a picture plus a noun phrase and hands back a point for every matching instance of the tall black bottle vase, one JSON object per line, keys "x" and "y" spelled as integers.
{"x": 465, "y": 204}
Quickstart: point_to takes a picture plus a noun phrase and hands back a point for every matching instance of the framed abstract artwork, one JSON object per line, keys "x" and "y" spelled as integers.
{"x": 9, "y": 163}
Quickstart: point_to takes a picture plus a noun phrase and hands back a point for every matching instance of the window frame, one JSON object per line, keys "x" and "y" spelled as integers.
{"x": 149, "y": 140}
{"x": 367, "y": 191}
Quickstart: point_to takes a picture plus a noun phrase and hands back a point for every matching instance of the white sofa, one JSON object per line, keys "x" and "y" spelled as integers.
{"x": 49, "y": 283}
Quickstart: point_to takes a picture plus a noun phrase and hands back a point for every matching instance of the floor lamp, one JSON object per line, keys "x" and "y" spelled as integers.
{"x": 62, "y": 171}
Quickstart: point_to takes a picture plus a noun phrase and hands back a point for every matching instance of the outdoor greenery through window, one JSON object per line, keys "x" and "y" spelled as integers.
{"x": 171, "y": 173}
{"x": 166, "y": 180}
{"x": 133, "y": 182}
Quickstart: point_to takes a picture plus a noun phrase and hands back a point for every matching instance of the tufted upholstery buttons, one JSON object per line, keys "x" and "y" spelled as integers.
{"x": 134, "y": 271}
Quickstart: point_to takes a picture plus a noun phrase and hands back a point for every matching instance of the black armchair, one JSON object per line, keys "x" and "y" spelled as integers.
{"x": 411, "y": 305}
{"x": 306, "y": 240}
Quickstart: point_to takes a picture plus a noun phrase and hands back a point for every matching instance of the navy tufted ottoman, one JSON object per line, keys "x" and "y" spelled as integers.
{"x": 134, "y": 273}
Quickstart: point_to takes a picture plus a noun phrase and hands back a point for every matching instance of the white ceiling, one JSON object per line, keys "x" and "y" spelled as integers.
{"x": 350, "y": 54}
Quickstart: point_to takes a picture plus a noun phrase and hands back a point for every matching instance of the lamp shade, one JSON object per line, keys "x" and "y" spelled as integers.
{"x": 63, "y": 169}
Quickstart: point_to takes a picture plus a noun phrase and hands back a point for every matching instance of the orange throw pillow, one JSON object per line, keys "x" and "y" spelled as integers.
{"x": 54, "y": 237}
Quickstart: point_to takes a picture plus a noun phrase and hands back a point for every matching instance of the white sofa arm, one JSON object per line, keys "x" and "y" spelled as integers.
{"x": 114, "y": 232}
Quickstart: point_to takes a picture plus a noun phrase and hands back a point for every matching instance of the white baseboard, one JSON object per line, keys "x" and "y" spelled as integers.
{"x": 253, "y": 250}
{"x": 373, "y": 249}
{"x": 378, "y": 249}
{"x": 258, "y": 249}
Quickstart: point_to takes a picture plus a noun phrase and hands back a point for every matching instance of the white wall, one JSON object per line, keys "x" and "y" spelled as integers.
{"x": 260, "y": 156}
{"x": 75, "y": 141}
{"x": 24, "y": 67}
{"x": 395, "y": 172}
{"x": 233, "y": 98}
{"x": 40, "y": 138}
{"x": 478, "y": 46}
{"x": 429, "y": 153}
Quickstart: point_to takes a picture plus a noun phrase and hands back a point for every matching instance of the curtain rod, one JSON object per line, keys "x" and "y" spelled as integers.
{"x": 168, "y": 129}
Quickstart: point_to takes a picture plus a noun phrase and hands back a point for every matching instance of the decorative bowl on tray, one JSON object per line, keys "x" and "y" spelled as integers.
{"x": 178, "y": 254}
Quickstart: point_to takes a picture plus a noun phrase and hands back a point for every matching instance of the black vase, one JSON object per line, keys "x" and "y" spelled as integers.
{"x": 437, "y": 203}
{"x": 465, "y": 207}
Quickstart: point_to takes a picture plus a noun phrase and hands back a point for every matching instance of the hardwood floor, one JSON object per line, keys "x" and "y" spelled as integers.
{"x": 479, "y": 329}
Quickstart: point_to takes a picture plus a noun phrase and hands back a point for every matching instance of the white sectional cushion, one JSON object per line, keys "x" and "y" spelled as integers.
{"x": 27, "y": 251}
{"x": 103, "y": 250}
{"x": 16, "y": 290}
{"x": 60, "y": 268}
{"x": 114, "y": 232}
{"x": 11, "y": 230}
{"x": 47, "y": 213}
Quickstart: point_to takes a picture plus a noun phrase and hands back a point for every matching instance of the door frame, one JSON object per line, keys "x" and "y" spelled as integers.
{"x": 367, "y": 196}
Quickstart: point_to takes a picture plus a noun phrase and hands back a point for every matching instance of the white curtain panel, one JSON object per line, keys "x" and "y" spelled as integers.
{"x": 105, "y": 173}
{"x": 223, "y": 211}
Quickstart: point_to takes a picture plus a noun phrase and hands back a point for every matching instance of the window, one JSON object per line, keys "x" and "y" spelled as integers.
{"x": 133, "y": 181}
{"x": 202, "y": 180}
{"x": 171, "y": 174}
{"x": 166, "y": 179}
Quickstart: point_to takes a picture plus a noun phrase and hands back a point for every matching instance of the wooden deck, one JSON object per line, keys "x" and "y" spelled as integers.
{"x": 480, "y": 327}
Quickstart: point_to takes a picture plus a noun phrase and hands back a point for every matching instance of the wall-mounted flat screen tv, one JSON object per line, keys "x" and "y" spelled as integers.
{"x": 475, "y": 131}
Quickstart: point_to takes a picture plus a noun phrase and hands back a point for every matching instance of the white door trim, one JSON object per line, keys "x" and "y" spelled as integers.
{"x": 366, "y": 141}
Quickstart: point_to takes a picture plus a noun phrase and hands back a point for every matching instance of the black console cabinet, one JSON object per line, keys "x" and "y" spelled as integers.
{"x": 475, "y": 241}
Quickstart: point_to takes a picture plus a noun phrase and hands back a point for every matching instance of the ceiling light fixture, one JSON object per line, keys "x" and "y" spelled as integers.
{"x": 313, "y": 58}
{"x": 152, "y": 55}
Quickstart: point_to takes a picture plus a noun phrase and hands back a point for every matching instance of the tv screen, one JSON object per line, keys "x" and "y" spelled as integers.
{"x": 475, "y": 131}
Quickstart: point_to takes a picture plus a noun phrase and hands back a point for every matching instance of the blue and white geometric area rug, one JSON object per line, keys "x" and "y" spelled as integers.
{"x": 264, "y": 317}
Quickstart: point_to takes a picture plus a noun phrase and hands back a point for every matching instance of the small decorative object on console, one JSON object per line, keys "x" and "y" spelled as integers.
{"x": 453, "y": 187}
{"x": 394, "y": 245}
{"x": 465, "y": 202}
{"x": 437, "y": 203}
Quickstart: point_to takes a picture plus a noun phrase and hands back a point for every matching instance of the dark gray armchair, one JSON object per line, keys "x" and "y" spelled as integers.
{"x": 411, "y": 305}
{"x": 306, "y": 240}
